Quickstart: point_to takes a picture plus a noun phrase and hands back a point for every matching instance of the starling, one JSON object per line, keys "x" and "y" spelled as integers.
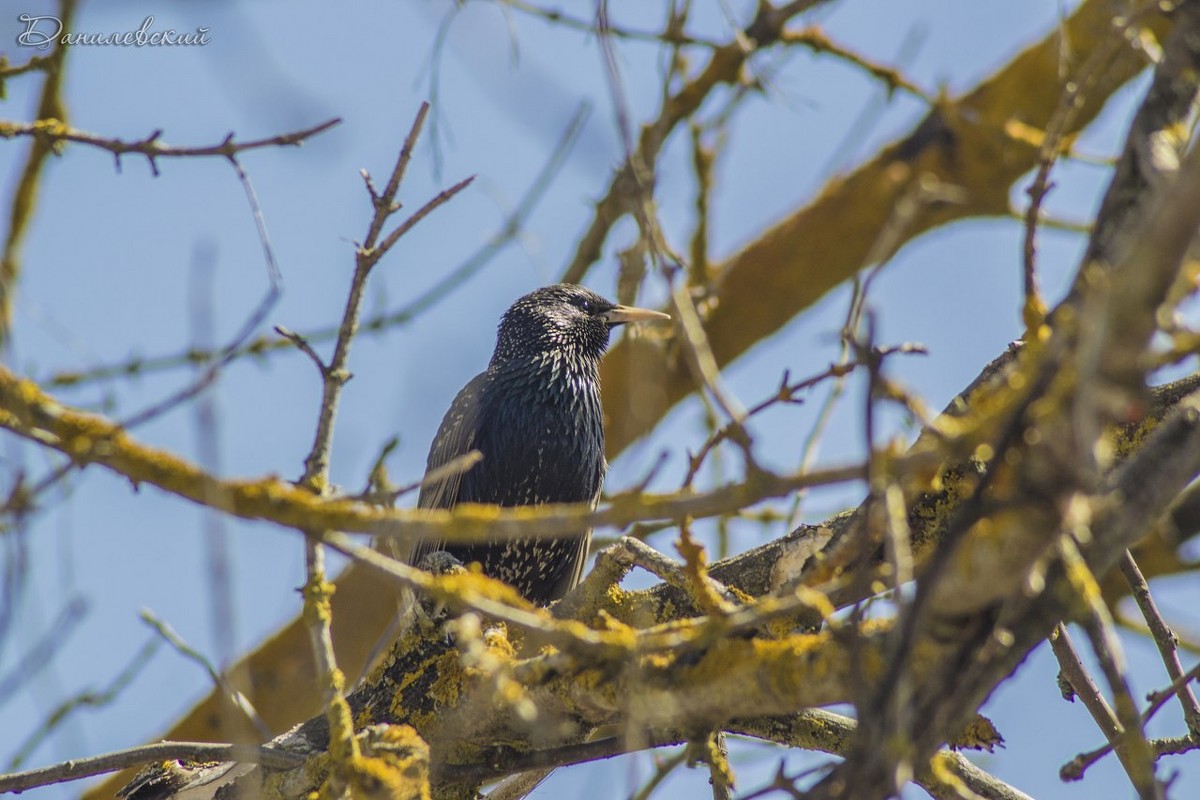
{"x": 535, "y": 417}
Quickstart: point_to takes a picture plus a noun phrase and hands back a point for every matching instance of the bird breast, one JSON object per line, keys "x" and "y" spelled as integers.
{"x": 543, "y": 434}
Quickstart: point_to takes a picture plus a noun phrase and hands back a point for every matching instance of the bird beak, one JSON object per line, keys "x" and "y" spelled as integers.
{"x": 622, "y": 314}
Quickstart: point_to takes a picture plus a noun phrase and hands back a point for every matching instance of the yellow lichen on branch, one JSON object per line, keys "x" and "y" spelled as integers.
{"x": 92, "y": 439}
{"x": 393, "y": 765}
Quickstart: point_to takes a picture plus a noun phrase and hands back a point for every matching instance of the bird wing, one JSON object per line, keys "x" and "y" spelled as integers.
{"x": 569, "y": 582}
{"x": 455, "y": 437}
{"x": 581, "y": 559}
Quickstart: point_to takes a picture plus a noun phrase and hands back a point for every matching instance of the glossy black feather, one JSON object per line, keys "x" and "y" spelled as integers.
{"x": 535, "y": 417}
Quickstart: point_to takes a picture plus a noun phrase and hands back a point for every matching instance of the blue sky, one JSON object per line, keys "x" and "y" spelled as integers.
{"x": 109, "y": 272}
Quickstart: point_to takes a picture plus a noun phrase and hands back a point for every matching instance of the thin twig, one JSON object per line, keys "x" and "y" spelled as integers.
{"x": 263, "y": 346}
{"x": 700, "y": 356}
{"x": 785, "y": 394}
{"x": 1070, "y": 104}
{"x": 236, "y": 697}
{"x": 1097, "y": 622}
{"x": 303, "y": 346}
{"x": 724, "y": 67}
{"x": 86, "y": 699}
{"x": 42, "y": 652}
{"x": 1081, "y": 683}
{"x": 1164, "y": 637}
{"x": 50, "y": 130}
{"x": 866, "y": 123}
{"x": 720, "y": 774}
{"x": 206, "y": 420}
{"x": 555, "y": 16}
{"x": 816, "y": 40}
{"x": 452, "y": 468}
{"x": 440, "y": 199}
{"x": 251, "y": 324}
{"x": 663, "y": 767}
{"x": 35, "y": 63}
{"x": 1074, "y": 769}
{"x": 78, "y": 768}
{"x": 704, "y": 159}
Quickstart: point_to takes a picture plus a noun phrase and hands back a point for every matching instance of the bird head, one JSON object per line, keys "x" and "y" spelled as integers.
{"x": 563, "y": 319}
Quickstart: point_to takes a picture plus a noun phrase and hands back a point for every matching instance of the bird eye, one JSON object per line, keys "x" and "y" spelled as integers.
{"x": 586, "y": 305}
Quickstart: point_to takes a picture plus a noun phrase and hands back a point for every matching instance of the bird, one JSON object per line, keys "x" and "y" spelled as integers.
{"x": 534, "y": 415}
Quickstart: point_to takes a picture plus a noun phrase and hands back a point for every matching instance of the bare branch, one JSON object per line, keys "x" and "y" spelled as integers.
{"x": 50, "y": 130}
{"x": 112, "y": 762}
{"x": 263, "y": 346}
{"x": 1164, "y": 637}
{"x": 239, "y": 700}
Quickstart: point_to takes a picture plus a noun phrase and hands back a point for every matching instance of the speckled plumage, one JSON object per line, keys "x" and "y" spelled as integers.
{"x": 535, "y": 416}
